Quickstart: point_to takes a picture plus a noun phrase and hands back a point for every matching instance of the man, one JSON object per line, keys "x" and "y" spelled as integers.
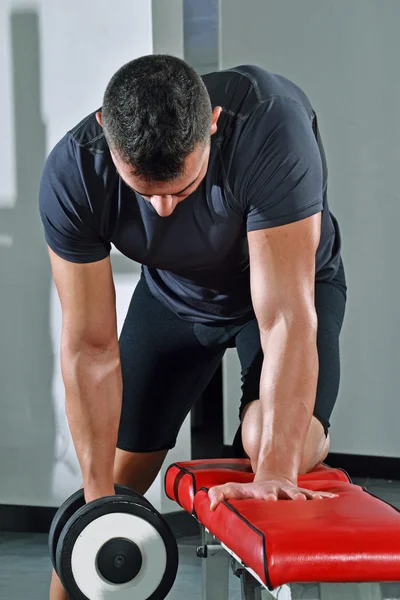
{"x": 217, "y": 186}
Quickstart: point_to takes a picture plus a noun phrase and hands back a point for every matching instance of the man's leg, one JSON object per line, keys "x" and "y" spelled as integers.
{"x": 316, "y": 448}
{"x": 138, "y": 470}
{"x": 165, "y": 369}
{"x": 330, "y": 306}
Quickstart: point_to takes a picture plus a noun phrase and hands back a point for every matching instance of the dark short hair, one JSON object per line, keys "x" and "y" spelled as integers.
{"x": 156, "y": 109}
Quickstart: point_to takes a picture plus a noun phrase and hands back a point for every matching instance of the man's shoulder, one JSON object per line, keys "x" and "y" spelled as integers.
{"x": 80, "y": 156}
{"x": 233, "y": 90}
{"x": 89, "y": 134}
{"x": 242, "y": 89}
{"x": 81, "y": 153}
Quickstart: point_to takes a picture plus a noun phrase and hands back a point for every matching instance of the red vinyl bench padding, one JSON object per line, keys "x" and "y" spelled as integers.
{"x": 352, "y": 538}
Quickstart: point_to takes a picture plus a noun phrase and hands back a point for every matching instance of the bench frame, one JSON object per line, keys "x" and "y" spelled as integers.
{"x": 218, "y": 559}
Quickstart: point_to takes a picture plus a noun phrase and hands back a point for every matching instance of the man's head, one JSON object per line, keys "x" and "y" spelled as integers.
{"x": 157, "y": 119}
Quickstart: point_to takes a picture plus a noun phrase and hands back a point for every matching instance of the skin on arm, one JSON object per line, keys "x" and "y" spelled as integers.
{"x": 282, "y": 271}
{"x": 91, "y": 370}
{"x": 282, "y": 267}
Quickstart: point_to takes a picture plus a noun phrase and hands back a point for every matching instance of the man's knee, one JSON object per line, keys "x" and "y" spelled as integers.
{"x": 251, "y": 431}
{"x": 138, "y": 470}
{"x": 316, "y": 447}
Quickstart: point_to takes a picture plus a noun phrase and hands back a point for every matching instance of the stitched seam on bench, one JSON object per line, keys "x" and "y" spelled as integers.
{"x": 253, "y": 528}
{"x": 381, "y": 499}
{"x": 243, "y": 468}
{"x": 186, "y": 472}
{"x": 165, "y": 481}
{"x": 339, "y": 469}
{"x": 177, "y": 481}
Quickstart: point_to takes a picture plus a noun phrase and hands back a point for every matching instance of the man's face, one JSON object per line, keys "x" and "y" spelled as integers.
{"x": 166, "y": 195}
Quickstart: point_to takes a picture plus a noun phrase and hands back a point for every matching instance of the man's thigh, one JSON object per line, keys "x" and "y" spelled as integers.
{"x": 164, "y": 371}
{"x": 330, "y": 303}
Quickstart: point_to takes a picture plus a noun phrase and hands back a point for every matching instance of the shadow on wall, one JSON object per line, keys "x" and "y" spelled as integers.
{"x": 27, "y": 424}
{"x": 38, "y": 463}
{"x": 201, "y": 31}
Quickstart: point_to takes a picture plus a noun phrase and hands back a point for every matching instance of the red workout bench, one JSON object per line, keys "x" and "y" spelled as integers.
{"x": 346, "y": 544}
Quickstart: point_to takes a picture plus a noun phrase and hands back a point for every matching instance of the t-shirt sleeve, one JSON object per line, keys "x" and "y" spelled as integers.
{"x": 66, "y": 210}
{"x": 281, "y": 172}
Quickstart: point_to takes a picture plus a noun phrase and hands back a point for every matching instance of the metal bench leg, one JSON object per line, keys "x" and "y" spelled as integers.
{"x": 281, "y": 593}
{"x": 215, "y": 568}
{"x": 350, "y": 591}
{"x": 251, "y": 589}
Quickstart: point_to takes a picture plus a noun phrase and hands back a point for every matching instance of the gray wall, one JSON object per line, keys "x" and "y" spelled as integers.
{"x": 47, "y": 88}
{"x": 26, "y": 358}
{"x": 345, "y": 55}
{"x": 50, "y": 84}
{"x": 167, "y": 20}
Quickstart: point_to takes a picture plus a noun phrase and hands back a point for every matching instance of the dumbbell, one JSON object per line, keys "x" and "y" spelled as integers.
{"x": 115, "y": 547}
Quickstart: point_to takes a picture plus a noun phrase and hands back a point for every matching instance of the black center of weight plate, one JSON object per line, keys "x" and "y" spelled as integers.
{"x": 119, "y": 560}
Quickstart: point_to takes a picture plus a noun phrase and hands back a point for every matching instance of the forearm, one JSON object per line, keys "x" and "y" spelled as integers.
{"x": 287, "y": 393}
{"x": 93, "y": 386}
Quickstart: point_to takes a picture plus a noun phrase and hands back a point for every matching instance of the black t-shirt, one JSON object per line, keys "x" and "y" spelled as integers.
{"x": 266, "y": 169}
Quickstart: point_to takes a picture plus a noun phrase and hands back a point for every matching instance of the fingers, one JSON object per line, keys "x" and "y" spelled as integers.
{"x": 223, "y": 492}
{"x": 317, "y": 495}
{"x": 216, "y": 496}
{"x": 323, "y": 495}
{"x": 300, "y": 494}
{"x": 270, "y": 496}
{"x": 270, "y": 492}
{"x": 295, "y": 494}
{"x": 237, "y": 491}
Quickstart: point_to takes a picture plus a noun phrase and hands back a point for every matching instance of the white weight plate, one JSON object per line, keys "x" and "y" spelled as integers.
{"x": 100, "y": 531}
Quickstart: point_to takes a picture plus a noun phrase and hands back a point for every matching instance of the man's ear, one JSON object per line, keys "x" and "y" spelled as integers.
{"x": 214, "y": 119}
{"x": 99, "y": 118}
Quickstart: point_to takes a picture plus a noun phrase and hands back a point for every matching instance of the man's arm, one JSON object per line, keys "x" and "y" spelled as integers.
{"x": 282, "y": 268}
{"x": 90, "y": 365}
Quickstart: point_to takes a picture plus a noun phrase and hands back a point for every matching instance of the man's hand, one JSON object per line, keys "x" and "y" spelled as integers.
{"x": 270, "y": 488}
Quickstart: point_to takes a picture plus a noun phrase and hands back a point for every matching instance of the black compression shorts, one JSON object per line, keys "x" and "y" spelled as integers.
{"x": 167, "y": 363}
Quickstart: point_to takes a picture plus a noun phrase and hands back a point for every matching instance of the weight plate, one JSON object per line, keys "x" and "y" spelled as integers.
{"x": 71, "y": 506}
{"x": 108, "y": 521}
{"x": 64, "y": 513}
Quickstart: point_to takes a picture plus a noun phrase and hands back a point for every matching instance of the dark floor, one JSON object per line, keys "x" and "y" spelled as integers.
{"x": 25, "y": 565}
